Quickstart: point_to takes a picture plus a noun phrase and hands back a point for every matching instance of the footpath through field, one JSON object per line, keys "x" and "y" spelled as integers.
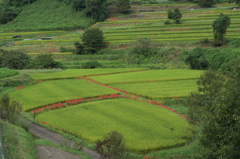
{"x": 46, "y": 152}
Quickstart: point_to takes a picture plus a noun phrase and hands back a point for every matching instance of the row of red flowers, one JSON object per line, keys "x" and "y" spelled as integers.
{"x": 73, "y": 102}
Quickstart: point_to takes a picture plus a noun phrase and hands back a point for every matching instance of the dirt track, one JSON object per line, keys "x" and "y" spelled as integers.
{"x": 46, "y": 152}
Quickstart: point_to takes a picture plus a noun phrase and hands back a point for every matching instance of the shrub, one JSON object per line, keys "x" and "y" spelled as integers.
{"x": 112, "y": 146}
{"x": 45, "y": 61}
{"x": 167, "y": 22}
{"x": 79, "y": 49}
{"x": 92, "y": 39}
{"x": 123, "y": 6}
{"x": 9, "y": 110}
{"x": 14, "y": 59}
{"x": 175, "y": 14}
{"x": 196, "y": 59}
{"x": 91, "y": 64}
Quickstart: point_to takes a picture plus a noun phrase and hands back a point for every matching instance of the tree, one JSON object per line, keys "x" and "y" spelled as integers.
{"x": 112, "y": 146}
{"x": 92, "y": 39}
{"x": 220, "y": 26}
{"x": 237, "y": 2}
{"x": 96, "y": 9}
{"x": 45, "y": 61}
{"x": 9, "y": 110}
{"x": 78, "y": 5}
{"x": 123, "y": 6}
{"x": 215, "y": 109}
{"x": 175, "y": 14}
{"x": 196, "y": 59}
{"x": 206, "y": 3}
{"x": 14, "y": 59}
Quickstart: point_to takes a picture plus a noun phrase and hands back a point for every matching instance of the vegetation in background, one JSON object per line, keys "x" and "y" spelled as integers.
{"x": 92, "y": 39}
{"x": 175, "y": 14}
{"x": 91, "y": 65}
{"x": 123, "y": 6}
{"x": 220, "y": 26}
{"x": 14, "y": 59}
{"x": 96, "y": 9}
{"x": 45, "y": 61}
{"x": 196, "y": 59}
{"x": 206, "y": 3}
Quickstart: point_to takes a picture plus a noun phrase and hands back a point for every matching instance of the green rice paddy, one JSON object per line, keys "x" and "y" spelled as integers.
{"x": 145, "y": 127}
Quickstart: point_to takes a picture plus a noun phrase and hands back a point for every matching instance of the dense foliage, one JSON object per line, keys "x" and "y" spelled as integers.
{"x": 92, "y": 39}
{"x": 96, "y": 9}
{"x": 220, "y": 26}
{"x": 206, "y": 3}
{"x": 175, "y": 14}
{"x": 10, "y": 110}
{"x": 112, "y": 146}
{"x": 215, "y": 110}
{"x": 45, "y": 61}
{"x": 14, "y": 59}
{"x": 196, "y": 59}
{"x": 123, "y": 6}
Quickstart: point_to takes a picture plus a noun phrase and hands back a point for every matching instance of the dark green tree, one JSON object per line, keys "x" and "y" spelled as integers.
{"x": 96, "y": 9}
{"x": 92, "y": 39}
{"x": 112, "y": 146}
{"x": 206, "y": 3}
{"x": 14, "y": 59}
{"x": 196, "y": 59}
{"x": 79, "y": 48}
{"x": 9, "y": 110}
{"x": 237, "y": 2}
{"x": 123, "y": 6}
{"x": 45, "y": 61}
{"x": 78, "y": 5}
{"x": 215, "y": 109}
{"x": 175, "y": 14}
{"x": 220, "y": 26}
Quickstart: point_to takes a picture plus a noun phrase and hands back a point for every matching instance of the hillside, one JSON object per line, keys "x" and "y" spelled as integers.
{"x": 47, "y": 15}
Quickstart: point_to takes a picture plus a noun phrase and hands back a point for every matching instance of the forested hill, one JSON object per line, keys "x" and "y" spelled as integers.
{"x": 44, "y": 15}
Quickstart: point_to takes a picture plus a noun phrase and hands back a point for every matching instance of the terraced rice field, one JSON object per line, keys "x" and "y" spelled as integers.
{"x": 56, "y": 91}
{"x": 160, "y": 89}
{"x": 74, "y": 73}
{"x": 145, "y": 127}
{"x": 151, "y": 75}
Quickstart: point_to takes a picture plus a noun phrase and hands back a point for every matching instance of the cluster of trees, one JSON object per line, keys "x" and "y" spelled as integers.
{"x": 175, "y": 14}
{"x": 215, "y": 111}
{"x": 19, "y": 60}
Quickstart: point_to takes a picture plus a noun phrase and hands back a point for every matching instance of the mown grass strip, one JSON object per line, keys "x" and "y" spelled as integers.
{"x": 151, "y": 75}
{"x": 57, "y": 91}
{"x": 74, "y": 73}
{"x": 145, "y": 127}
{"x": 160, "y": 89}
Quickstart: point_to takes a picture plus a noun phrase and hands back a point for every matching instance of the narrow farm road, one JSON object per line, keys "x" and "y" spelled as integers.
{"x": 48, "y": 152}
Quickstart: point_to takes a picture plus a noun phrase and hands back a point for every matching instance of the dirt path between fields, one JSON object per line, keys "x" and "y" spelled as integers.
{"x": 46, "y": 152}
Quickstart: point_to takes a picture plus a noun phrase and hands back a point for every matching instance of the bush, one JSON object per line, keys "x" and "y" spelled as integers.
{"x": 91, "y": 65}
{"x": 45, "y": 61}
{"x": 92, "y": 39}
{"x": 167, "y": 22}
{"x": 196, "y": 58}
{"x": 79, "y": 49}
{"x": 14, "y": 59}
{"x": 64, "y": 49}
{"x": 175, "y": 14}
{"x": 112, "y": 146}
